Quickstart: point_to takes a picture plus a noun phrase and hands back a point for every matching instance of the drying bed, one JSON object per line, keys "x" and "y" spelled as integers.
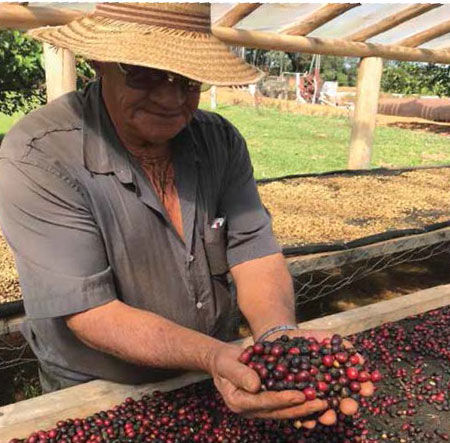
{"x": 411, "y": 404}
{"x": 332, "y": 210}
{"x": 9, "y": 279}
{"x": 336, "y": 211}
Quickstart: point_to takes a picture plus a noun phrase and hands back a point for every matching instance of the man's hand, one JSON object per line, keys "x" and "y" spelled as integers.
{"x": 239, "y": 386}
{"x": 348, "y": 406}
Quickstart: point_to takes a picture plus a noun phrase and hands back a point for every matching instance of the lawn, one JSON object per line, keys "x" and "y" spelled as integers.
{"x": 6, "y": 122}
{"x": 282, "y": 143}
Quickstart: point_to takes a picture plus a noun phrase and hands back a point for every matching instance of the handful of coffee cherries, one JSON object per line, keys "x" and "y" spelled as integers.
{"x": 327, "y": 370}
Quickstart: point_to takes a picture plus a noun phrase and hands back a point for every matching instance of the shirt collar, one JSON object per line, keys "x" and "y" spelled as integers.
{"x": 102, "y": 150}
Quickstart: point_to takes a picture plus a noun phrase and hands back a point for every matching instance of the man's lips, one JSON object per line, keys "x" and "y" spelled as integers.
{"x": 163, "y": 114}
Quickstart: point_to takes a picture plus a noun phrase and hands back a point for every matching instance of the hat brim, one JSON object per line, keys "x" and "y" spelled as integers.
{"x": 196, "y": 55}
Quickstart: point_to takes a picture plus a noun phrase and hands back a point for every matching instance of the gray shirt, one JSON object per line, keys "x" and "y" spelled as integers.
{"x": 86, "y": 227}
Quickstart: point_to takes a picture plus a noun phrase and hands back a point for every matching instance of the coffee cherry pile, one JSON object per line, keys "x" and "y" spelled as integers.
{"x": 411, "y": 404}
{"x": 327, "y": 370}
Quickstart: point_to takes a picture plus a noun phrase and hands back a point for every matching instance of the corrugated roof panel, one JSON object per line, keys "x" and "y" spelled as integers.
{"x": 414, "y": 26}
{"x": 356, "y": 19}
{"x": 273, "y": 16}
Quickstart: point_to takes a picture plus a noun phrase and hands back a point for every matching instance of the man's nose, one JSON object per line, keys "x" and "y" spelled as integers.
{"x": 170, "y": 94}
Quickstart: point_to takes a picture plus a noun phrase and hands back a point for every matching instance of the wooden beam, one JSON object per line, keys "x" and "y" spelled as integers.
{"x": 376, "y": 314}
{"x": 339, "y": 47}
{"x": 319, "y": 17}
{"x": 365, "y": 114}
{"x": 328, "y": 260}
{"x": 10, "y": 325}
{"x": 427, "y": 35}
{"x": 60, "y": 71}
{"x": 236, "y": 14}
{"x": 391, "y": 21}
{"x": 18, "y": 420}
{"x": 28, "y": 17}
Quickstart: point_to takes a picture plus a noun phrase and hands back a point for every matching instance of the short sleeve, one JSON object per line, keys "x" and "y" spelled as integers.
{"x": 59, "y": 252}
{"x": 249, "y": 224}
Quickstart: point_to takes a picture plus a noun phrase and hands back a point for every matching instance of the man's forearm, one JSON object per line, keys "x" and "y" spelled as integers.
{"x": 265, "y": 293}
{"x": 143, "y": 338}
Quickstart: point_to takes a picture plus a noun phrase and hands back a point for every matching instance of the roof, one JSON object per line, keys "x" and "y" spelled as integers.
{"x": 414, "y": 25}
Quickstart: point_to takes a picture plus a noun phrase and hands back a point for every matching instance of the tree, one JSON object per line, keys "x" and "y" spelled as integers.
{"x": 22, "y": 75}
{"x": 416, "y": 78}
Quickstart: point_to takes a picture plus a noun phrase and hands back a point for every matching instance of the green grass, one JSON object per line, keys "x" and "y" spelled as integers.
{"x": 282, "y": 143}
{"x": 6, "y": 122}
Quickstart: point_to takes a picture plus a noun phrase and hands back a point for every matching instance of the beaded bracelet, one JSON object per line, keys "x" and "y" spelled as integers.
{"x": 276, "y": 329}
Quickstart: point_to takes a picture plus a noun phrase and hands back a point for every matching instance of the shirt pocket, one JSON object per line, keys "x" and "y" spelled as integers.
{"x": 215, "y": 237}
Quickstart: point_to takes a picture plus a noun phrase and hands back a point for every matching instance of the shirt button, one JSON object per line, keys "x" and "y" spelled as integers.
{"x": 191, "y": 258}
{"x": 199, "y": 305}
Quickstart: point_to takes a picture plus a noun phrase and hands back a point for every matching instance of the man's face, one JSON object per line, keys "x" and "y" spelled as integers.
{"x": 154, "y": 112}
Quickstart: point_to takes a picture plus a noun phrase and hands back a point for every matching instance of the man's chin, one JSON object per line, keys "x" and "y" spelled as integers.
{"x": 159, "y": 135}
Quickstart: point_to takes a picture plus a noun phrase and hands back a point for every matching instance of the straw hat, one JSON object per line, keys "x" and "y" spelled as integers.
{"x": 171, "y": 36}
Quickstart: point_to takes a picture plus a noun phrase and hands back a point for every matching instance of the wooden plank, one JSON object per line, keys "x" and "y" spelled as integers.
{"x": 365, "y": 114}
{"x": 11, "y": 324}
{"x": 391, "y": 21}
{"x": 237, "y": 13}
{"x": 326, "y": 260}
{"x": 60, "y": 71}
{"x": 371, "y": 316}
{"x": 427, "y": 35}
{"x": 14, "y": 16}
{"x": 20, "y": 419}
{"x": 337, "y": 46}
{"x": 317, "y": 18}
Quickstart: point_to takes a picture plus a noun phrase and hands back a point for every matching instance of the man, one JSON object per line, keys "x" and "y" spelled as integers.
{"x": 126, "y": 207}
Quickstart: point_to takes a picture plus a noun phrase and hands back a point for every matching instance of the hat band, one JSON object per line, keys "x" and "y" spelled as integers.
{"x": 154, "y": 17}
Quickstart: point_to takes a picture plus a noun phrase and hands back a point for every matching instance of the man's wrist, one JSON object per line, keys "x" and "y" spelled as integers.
{"x": 210, "y": 356}
{"x": 279, "y": 329}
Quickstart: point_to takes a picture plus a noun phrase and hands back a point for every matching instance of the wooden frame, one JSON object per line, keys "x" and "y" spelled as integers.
{"x": 15, "y": 16}
{"x": 20, "y": 419}
{"x": 327, "y": 260}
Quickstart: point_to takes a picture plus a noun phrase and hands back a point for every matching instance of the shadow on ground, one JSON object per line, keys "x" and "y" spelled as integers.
{"x": 435, "y": 128}
{"x": 404, "y": 278}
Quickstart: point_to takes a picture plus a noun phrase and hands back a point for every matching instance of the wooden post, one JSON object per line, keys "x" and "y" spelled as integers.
{"x": 213, "y": 93}
{"x": 60, "y": 71}
{"x": 364, "y": 118}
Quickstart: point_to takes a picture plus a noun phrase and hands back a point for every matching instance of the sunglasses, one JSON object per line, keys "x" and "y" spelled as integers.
{"x": 140, "y": 77}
